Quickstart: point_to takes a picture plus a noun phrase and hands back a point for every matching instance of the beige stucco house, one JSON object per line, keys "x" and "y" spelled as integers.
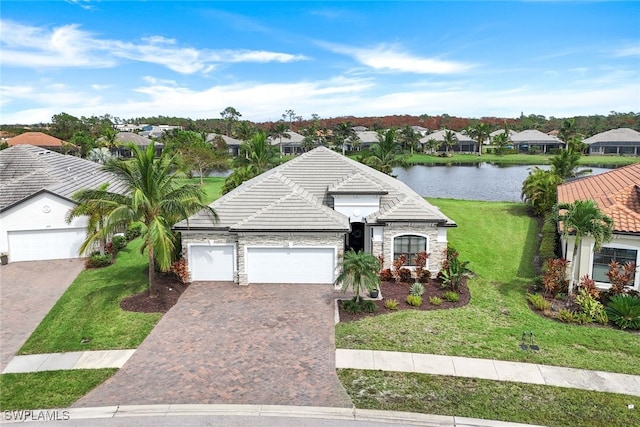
{"x": 293, "y": 223}
{"x": 617, "y": 194}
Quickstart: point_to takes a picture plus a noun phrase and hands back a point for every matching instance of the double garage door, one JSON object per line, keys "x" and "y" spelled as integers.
{"x": 264, "y": 265}
{"x": 36, "y": 245}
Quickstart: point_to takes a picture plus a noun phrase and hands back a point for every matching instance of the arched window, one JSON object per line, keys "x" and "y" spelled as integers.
{"x": 409, "y": 245}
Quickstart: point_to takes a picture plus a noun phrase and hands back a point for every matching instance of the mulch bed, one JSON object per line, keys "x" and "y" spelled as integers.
{"x": 399, "y": 292}
{"x": 169, "y": 290}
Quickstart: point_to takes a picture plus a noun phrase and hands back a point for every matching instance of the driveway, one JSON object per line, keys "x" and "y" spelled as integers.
{"x": 224, "y": 343}
{"x": 28, "y": 290}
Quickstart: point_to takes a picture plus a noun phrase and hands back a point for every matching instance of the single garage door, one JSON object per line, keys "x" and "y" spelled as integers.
{"x": 211, "y": 263}
{"x": 290, "y": 265}
{"x": 34, "y": 245}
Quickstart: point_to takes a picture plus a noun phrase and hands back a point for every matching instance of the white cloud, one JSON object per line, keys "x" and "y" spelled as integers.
{"x": 393, "y": 58}
{"x": 69, "y": 46}
{"x": 630, "y": 50}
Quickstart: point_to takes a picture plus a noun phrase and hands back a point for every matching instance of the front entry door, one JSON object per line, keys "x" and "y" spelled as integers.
{"x": 355, "y": 239}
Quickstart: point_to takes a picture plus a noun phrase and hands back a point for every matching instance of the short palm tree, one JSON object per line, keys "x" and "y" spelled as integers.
{"x": 153, "y": 197}
{"x": 481, "y": 133}
{"x": 256, "y": 156}
{"x": 449, "y": 139}
{"x": 359, "y": 270}
{"x": 565, "y": 165}
{"x": 583, "y": 218}
{"x": 384, "y": 156}
{"x": 540, "y": 189}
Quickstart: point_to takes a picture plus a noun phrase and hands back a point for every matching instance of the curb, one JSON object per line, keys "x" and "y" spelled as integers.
{"x": 222, "y": 410}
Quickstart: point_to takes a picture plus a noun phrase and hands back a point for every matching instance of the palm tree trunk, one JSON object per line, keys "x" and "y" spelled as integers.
{"x": 572, "y": 274}
{"x": 153, "y": 288}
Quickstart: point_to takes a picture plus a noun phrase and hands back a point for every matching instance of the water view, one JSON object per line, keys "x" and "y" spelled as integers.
{"x": 482, "y": 181}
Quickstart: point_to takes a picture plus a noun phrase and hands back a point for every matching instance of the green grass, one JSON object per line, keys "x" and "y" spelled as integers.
{"x": 494, "y": 400}
{"x": 212, "y": 186}
{"x": 52, "y": 389}
{"x": 90, "y": 309}
{"x": 520, "y": 159}
{"x": 499, "y": 240}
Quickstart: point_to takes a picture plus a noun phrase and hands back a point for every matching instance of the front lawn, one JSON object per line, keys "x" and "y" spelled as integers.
{"x": 90, "y": 309}
{"x": 493, "y": 400}
{"x": 499, "y": 239}
{"x": 50, "y": 389}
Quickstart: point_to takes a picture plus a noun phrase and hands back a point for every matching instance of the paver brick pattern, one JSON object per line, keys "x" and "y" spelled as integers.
{"x": 224, "y": 343}
{"x": 28, "y": 290}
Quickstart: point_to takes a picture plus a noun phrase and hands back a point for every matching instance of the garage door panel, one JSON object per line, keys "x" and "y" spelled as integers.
{"x": 35, "y": 245}
{"x": 290, "y": 265}
{"x": 211, "y": 263}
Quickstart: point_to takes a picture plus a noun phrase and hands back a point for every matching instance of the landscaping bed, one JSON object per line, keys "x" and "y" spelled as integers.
{"x": 169, "y": 290}
{"x": 399, "y": 291}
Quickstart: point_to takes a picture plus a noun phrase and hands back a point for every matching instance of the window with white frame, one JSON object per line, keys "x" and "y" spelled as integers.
{"x": 605, "y": 256}
{"x": 409, "y": 246}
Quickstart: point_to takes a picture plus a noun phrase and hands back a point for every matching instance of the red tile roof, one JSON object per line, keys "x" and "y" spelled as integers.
{"x": 617, "y": 193}
{"x": 38, "y": 139}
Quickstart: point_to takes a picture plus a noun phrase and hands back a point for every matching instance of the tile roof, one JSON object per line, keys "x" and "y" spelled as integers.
{"x": 616, "y": 192}
{"x": 615, "y": 135}
{"x": 439, "y": 136}
{"x": 26, "y": 170}
{"x": 35, "y": 138}
{"x": 131, "y": 137}
{"x": 534, "y": 136}
{"x": 296, "y": 196}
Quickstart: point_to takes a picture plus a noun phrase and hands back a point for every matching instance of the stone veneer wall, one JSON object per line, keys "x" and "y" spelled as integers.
{"x": 435, "y": 249}
{"x": 204, "y": 237}
{"x": 280, "y": 240}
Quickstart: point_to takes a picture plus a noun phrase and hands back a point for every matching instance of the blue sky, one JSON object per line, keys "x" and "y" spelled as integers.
{"x": 194, "y": 59}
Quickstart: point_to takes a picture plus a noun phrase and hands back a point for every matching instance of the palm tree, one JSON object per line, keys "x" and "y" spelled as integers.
{"x": 481, "y": 133}
{"x": 432, "y": 145}
{"x": 343, "y": 132}
{"x": 256, "y": 156}
{"x": 359, "y": 270}
{"x": 153, "y": 197}
{"x": 500, "y": 141}
{"x": 539, "y": 189}
{"x": 409, "y": 138}
{"x": 583, "y": 218}
{"x": 449, "y": 139}
{"x": 280, "y": 130}
{"x": 565, "y": 165}
{"x": 383, "y": 156}
{"x": 244, "y": 130}
{"x": 96, "y": 212}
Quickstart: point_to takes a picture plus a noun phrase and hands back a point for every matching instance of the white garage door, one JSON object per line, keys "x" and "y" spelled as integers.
{"x": 33, "y": 245}
{"x": 211, "y": 263}
{"x": 290, "y": 265}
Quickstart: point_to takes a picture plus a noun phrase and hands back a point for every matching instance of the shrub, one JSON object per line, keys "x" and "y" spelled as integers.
{"x": 567, "y": 316}
{"x": 453, "y": 270}
{"x": 414, "y": 300}
{"x": 97, "y": 261}
{"x": 547, "y": 248}
{"x": 351, "y": 306}
{"x": 420, "y": 261}
{"x": 405, "y": 275}
{"x": 385, "y": 275}
{"x": 624, "y": 311}
{"x": 620, "y": 277}
{"x": 368, "y": 306}
{"x": 435, "y": 301}
{"x": 451, "y": 296}
{"x": 424, "y": 276}
{"x": 119, "y": 242}
{"x": 538, "y": 302}
{"x": 133, "y": 231}
{"x": 179, "y": 268}
{"x": 417, "y": 289}
{"x": 589, "y": 306}
{"x": 589, "y": 285}
{"x": 397, "y": 265}
{"x": 391, "y": 304}
{"x": 554, "y": 279}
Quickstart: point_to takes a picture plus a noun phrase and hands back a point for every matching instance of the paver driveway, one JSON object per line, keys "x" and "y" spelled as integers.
{"x": 28, "y": 290}
{"x": 224, "y": 343}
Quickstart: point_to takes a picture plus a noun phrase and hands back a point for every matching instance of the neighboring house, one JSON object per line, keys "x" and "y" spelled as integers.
{"x": 615, "y": 141}
{"x": 39, "y": 139}
{"x": 367, "y": 138}
{"x": 465, "y": 143}
{"x": 233, "y": 145}
{"x": 36, "y": 186}
{"x": 421, "y": 130}
{"x": 127, "y": 127}
{"x": 617, "y": 194}
{"x": 293, "y": 223}
{"x": 290, "y": 145}
{"x": 528, "y": 139}
{"x": 125, "y": 138}
{"x": 500, "y": 132}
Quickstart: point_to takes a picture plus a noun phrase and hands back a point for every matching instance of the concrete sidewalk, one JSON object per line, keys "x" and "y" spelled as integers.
{"x": 65, "y": 361}
{"x": 497, "y": 370}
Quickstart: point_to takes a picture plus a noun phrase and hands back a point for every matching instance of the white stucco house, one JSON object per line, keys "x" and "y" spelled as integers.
{"x": 615, "y": 141}
{"x": 617, "y": 194}
{"x": 293, "y": 223}
{"x": 36, "y": 186}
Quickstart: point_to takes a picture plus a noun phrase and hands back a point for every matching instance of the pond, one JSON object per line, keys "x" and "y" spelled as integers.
{"x": 483, "y": 181}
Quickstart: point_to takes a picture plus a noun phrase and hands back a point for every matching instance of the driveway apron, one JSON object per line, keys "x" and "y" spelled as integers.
{"x": 224, "y": 343}
{"x": 28, "y": 290}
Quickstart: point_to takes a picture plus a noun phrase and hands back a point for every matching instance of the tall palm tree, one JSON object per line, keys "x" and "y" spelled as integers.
{"x": 343, "y": 132}
{"x": 153, "y": 197}
{"x": 449, "y": 139}
{"x": 256, "y": 156}
{"x": 409, "y": 138}
{"x": 280, "y": 130}
{"x": 583, "y": 218}
{"x": 383, "y": 156}
{"x": 540, "y": 189}
{"x": 359, "y": 270}
{"x": 481, "y": 132}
